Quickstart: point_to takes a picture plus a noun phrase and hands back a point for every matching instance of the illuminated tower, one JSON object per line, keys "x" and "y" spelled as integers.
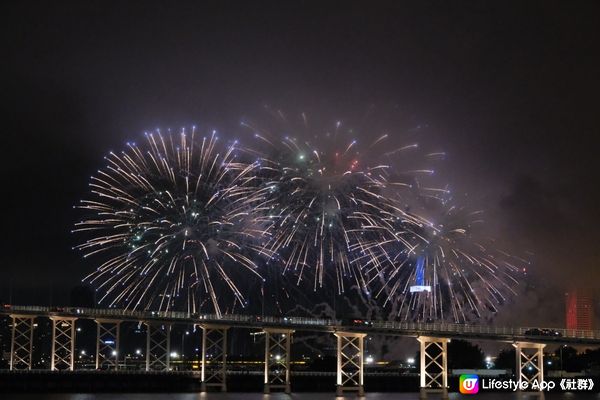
{"x": 419, "y": 285}
{"x": 579, "y": 310}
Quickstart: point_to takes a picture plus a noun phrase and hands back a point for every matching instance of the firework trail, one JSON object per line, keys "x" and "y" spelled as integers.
{"x": 170, "y": 219}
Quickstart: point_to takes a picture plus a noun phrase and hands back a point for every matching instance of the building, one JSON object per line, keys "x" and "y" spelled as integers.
{"x": 579, "y": 310}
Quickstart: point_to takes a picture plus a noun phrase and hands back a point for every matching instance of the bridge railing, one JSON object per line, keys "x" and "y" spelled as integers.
{"x": 421, "y": 327}
{"x": 487, "y": 329}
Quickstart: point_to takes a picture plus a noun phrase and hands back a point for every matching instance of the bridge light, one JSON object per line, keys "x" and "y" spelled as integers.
{"x": 277, "y": 357}
{"x": 369, "y": 360}
{"x": 114, "y": 352}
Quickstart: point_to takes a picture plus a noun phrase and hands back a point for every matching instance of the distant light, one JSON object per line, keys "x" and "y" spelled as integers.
{"x": 410, "y": 360}
{"x": 78, "y": 329}
{"x": 83, "y": 352}
{"x": 420, "y": 288}
{"x": 138, "y": 352}
{"x": 174, "y": 355}
{"x": 114, "y": 352}
{"x": 488, "y": 359}
{"x": 549, "y": 362}
{"x": 277, "y": 357}
{"x": 369, "y": 360}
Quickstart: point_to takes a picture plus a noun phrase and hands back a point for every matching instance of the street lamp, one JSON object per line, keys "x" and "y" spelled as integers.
{"x": 488, "y": 362}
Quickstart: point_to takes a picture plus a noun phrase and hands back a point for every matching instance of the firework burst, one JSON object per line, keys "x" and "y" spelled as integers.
{"x": 451, "y": 271}
{"x": 327, "y": 211}
{"x": 170, "y": 219}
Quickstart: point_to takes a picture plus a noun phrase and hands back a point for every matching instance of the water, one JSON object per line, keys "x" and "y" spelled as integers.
{"x": 281, "y": 396}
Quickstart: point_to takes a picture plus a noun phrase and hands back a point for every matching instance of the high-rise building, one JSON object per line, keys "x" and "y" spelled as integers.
{"x": 579, "y": 310}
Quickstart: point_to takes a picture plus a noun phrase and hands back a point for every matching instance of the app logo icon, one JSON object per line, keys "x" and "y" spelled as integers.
{"x": 469, "y": 384}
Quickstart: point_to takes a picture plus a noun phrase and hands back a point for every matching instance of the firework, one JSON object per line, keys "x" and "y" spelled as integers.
{"x": 184, "y": 221}
{"x": 452, "y": 271}
{"x": 328, "y": 212}
{"x": 170, "y": 220}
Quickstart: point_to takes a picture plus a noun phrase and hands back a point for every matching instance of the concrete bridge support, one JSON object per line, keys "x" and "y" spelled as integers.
{"x": 158, "y": 346}
{"x": 214, "y": 347}
{"x": 21, "y": 342}
{"x": 434, "y": 366}
{"x": 107, "y": 343}
{"x": 350, "y": 362}
{"x": 277, "y": 359}
{"x": 63, "y": 343}
{"x": 530, "y": 362}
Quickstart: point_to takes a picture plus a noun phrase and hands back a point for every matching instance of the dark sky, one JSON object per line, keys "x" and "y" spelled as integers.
{"x": 509, "y": 90}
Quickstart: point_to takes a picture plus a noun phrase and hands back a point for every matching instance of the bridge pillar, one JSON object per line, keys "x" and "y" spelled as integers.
{"x": 21, "y": 342}
{"x": 277, "y": 359}
{"x": 530, "y": 362}
{"x": 158, "y": 346}
{"x": 214, "y": 346}
{"x": 63, "y": 343}
{"x": 350, "y": 362}
{"x": 107, "y": 343}
{"x": 434, "y": 366}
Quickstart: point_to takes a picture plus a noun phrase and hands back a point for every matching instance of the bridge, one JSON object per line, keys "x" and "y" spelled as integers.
{"x": 529, "y": 343}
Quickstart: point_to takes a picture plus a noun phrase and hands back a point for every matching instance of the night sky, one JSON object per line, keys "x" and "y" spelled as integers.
{"x": 509, "y": 90}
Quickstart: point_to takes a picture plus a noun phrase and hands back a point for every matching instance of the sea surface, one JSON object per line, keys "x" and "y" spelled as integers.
{"x": 282, "y": 396}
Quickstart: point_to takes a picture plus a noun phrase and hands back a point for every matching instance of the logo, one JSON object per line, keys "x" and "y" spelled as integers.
{"x": 469, "y": 384}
